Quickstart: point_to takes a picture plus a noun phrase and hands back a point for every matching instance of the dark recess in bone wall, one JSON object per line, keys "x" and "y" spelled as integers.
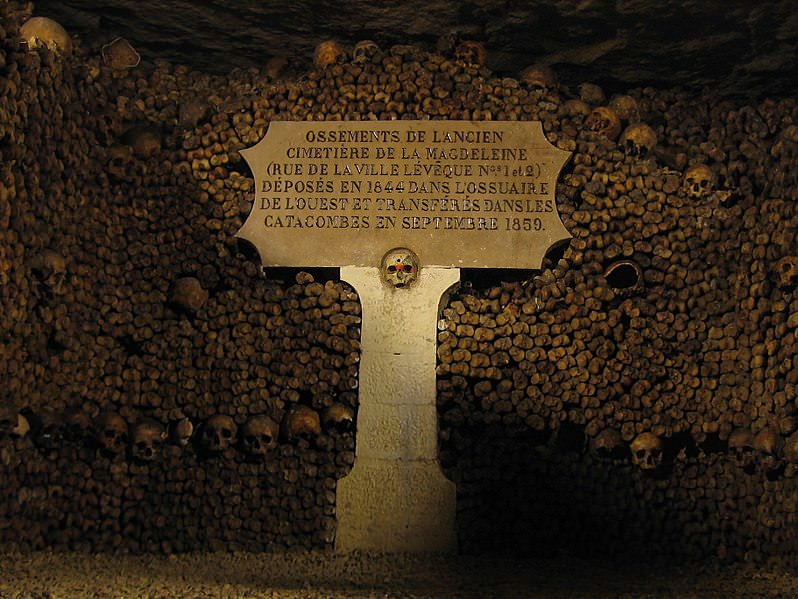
{"x": 635, "y": 397}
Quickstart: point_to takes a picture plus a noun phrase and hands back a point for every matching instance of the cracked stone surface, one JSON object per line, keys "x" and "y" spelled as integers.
{"x": 737, "y": 48}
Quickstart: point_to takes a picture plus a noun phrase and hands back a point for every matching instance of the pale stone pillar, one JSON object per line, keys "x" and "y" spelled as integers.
{"x": 396, "y": 497}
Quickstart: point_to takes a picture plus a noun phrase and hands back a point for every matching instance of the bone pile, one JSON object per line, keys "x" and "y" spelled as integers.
{"x": 160, "y": 394}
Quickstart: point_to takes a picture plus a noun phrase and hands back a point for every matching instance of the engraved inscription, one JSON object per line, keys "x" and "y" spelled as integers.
{"x": 460, "y": 193}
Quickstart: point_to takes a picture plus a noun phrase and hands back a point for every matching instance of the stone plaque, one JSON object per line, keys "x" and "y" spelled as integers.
{"x": 461, "y": 194}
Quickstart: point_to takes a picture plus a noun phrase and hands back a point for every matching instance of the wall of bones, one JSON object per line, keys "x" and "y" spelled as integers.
{"x": 636, "y": 396}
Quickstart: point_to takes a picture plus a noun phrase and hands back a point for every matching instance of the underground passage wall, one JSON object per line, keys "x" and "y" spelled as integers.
{"x": 635, "y": 397}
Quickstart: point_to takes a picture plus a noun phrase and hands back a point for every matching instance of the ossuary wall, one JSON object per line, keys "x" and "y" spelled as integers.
{"x": 636, "y": 396}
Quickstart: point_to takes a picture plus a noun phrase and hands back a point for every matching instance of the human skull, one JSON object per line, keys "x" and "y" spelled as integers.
{"x": 787, "y": 271}
{"x": 120, "y": 158}
{"x": 219, "y": 433}
{"x": 328, "y": 53}
{"x": 647, "y": 451}
{"x": 365, "y": 51}
{"x": 608, "y": 444}
{"x": 192, "y": 111}
{"x": 8, "y": 420}
{"x": 767, "y": 444}
{"x": 50, "y": 270}
{"x": 741, "y": 445}
{"x": 111, "y": 433}
{"x": 144, "y": 140}
{"x": 592, "y": 94}
{"x": 408, "y": 52}
{"x": 472, "y": 53}
{"x": 539, "y": 78}
{"x": 41, "y": 32}
{"x": 275, "y": 67}
{"x": 147, "y": 438}
{"x": 48, "y": 428}
{"x": 301, "y": 422}
{"x": 576, "y": 108}
{"x": 400, "y": 267}
{"x": 604, "y": 121}
{"x": 77, "y": 426}
{"x": 626, "y": 107}
{"x": 119, "y": 54}
{"x": 638, "y": 140}
{"x": 259, "y": 435}
{"x": 181, "y": 431}
{"x": 338, "y": 417}
{"x": 187, "y": 294}
{"x": 698, "y": 181}
{"x": 791, "y": 448}
{"x": 21, "y": 429}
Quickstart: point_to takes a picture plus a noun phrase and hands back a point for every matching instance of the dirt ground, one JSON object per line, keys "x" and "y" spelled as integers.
{"x": 314, "y": 575}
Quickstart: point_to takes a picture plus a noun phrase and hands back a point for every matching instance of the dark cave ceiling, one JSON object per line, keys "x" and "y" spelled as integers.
{"x": 737, "y": 48}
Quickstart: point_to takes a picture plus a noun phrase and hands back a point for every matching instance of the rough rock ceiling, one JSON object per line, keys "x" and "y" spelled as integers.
{"x": 737, "y": 47}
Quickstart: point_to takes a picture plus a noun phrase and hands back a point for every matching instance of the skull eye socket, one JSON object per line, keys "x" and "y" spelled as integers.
{"x": 392, "y": 268}
{"x": 227, "y": 433}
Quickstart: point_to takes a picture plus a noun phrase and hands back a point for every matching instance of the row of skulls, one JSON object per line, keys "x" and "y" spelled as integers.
{"x": 145, "y": 439}
{"x": 765, "y": 448}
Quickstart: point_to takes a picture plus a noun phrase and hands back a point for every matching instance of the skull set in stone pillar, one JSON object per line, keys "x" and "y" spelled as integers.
{"x": 400, "y": 267}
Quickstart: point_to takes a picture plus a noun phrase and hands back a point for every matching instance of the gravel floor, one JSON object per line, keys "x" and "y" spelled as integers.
{"x": 330, "y": 575}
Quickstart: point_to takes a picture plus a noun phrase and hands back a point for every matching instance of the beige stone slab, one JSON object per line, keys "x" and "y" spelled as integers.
{"x": 396, "y": 497}
{"x": 462, "y": 194}
{"x": 394, "y": 378}
{"x": 400, "y": 320}
{"x": 397, "y": 431}
{"x": 400, "y": 506}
